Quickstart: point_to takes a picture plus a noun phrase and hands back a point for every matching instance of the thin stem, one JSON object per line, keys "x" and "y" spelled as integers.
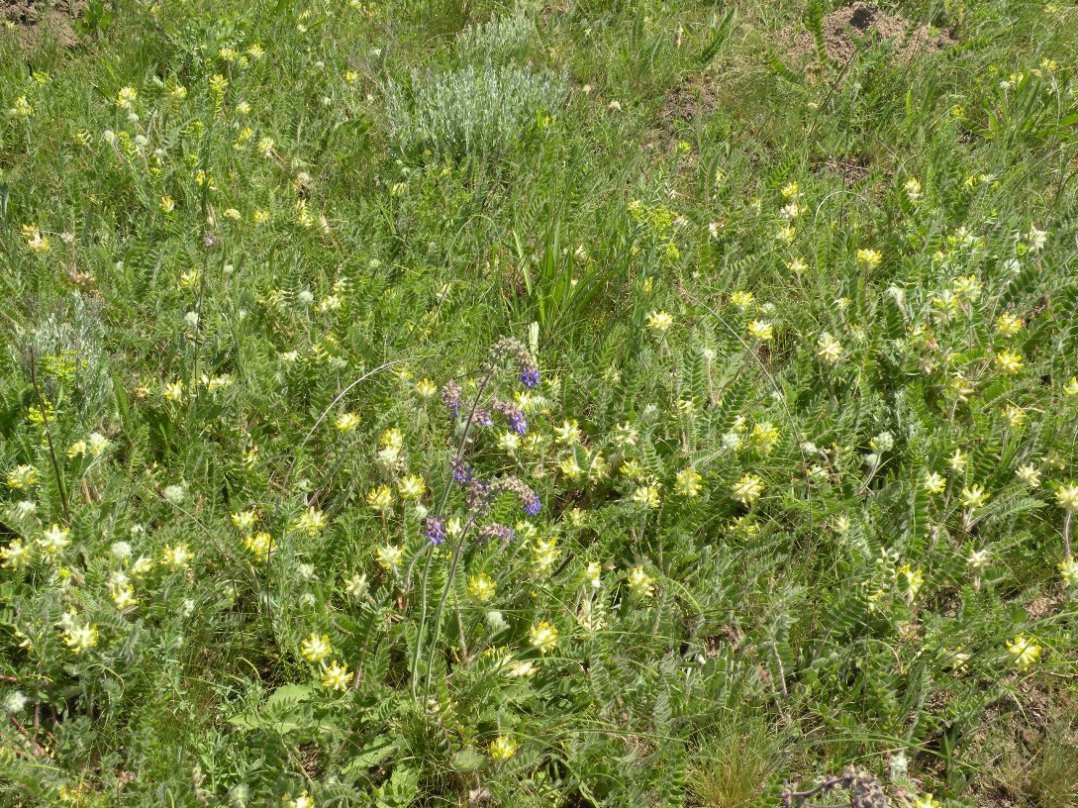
{"x": 48, "y": 438}
{"x": 1067, "y": 534}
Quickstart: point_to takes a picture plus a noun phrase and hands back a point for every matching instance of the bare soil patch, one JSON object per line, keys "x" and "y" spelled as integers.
{"x": 862, "y": 24}
{"x": 36, "y": 20}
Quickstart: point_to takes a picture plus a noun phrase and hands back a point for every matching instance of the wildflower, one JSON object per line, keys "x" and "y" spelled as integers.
{"x": 748, "y": 489}
{"x": 126, "y": 97}
{"x": 764, "y": 435}
{"x": 502, "y": 748}
{"x": 412, "y": 487}
{"x": 978, "y": 561}
{"x": 1036, "y": 239}
{"x": 742, "y": 300}
{"x": 80, "y": 639}
{"x": 1068, "y": 568}
{"x": 16, "y": 555}
{"x": 244, "y": 520}
{"x": 260, "y": 545}
{"x": 335, "y": 676}
{"x": 828, "y": 349}
{"x": 435, "y": 530}
{"x": 974, "y": 497}
{"x": 509, "y": 442}
{"x": 14, "y": 702}
{"x": 687, "y": 483}
{"x": 568, "y": 433}
{"x": 347, "y": 422}
{"x": 592, "y": 573}
{"x": 312, "y": 521}
{"x": 54, "y": 540}
{"x": 481, "y": 587}
{"x": 640, "y": 583}
{"x": 1009, "y": 362}
{"x": 915, "y": 578}
{"x": 647, "y": 496}
{"x": 926, "y": 801}
{"x": 1071, "y": 387}
{"x": 173, "y": 391}
{"x": 1029, "y": 474}
{"x": 122, "y": 593}
{"x": 1026, "y": 651}
{"x": 913, "y": 189}
{"x": 660, "y": 321}
{"x": 1008, "y": 324}
{"x": 35, "y": 241}
{"x": 21, "y": 478}
{"x": 544, "y": 553}
{"x": 21, "y": 109}
{"x": 315, "y": 647}
{"x": 761, "y": 330}
{"x": 389, "y": 557}
{"x": 543, "y": 636}
{"x": 304, "y": 800}
{"x": 870, "y": 258}
{"x": 425, "y": 388}
{"x": 958, "y": 462}
{"x": 99, "y": 444}
{"x": 934, "y": 483}
{"x": 1067, "y": 497}
{"x": 176, "y": 556}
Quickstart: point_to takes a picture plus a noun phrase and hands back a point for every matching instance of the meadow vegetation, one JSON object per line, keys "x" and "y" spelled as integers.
{"x": 574, "y": 403}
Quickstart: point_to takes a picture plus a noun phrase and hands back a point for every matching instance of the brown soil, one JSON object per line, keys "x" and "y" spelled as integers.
{"x": 860, "y": 25}
{"x": 38, "y": 20}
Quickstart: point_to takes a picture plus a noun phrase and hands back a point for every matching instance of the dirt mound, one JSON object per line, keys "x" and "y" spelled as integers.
{"x": 860, "y": 25}
{"x": 36, "y": 20}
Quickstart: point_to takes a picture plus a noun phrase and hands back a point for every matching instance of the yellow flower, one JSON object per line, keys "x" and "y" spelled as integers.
{"x": 543, "y": 636}
{"x": 260, "y": 545}
{"x": 22, "y": 477}
{"x": 870, "y": 258}
{"x": 660, "y": 321}
{"x": 1008, "y": 324}
{"x": 1026, "y": 651}
{"x": 122, "y": 594}
{"x": 315, "y": 647}
{"x": 1068, "y": 568}
{"x": 167, "y": 204}
{"x": 312, "y": 521}
{"x": 35, "y": 241}
{"x": 245, "y": 520}
{"x": 1009, "y": 362}
{"x": 1029, "y": 474}
{"x": 647, "y": 496}
{"x": 16, "y": 555}
{"x": 54, "y": 540}
{"x": 687, "y": 483}
{"x": 935, "y": 483}
{"x": 974, "y": 496}
{"x": 389, "y": 557}
{"x": 915, "y": 578}
{"x": 743, "y": 300}
{"x": 304, "y": 800}
{"x": 502, "y": 748}
{"x": 927, "y": 801}
{"x": 1067, "y": 497}
{"x": 748, "y": 489}
{"x": 176, "y": 556}
{"x": 544, "y": 553}
{"x": 425, "y": 388}
{"x": 828, "y": 349}
{"x": 640, "y": 583}
{"x": 126, "y": 97}
{"x": 347, "y": 422}
{"x": 592, "y": 574}
{"x": 22, "y": 108}
{"x": 764, "y": 435}
{"x": 80, "y": 638}
{"x": 913, "y": 189}
{"x": 1071, "y": 387}
{"x": 761, "y": 330}
{"x": 481, "y": 587}
{"x": 335, "y": 676}
{"x": 380, "y": 499}
{"x": 173, "y": 391}
{"x": 568, "y": 433}
{"x": 412, "y": 487}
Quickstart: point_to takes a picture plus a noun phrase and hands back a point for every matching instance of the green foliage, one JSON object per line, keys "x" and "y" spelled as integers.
{"x": 764, "y": 381}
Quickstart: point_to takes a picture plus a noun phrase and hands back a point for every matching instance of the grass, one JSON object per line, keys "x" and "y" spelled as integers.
{"x": 536, "y": 404}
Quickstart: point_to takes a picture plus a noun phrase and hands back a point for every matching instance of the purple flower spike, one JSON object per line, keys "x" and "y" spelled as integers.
{"x": 529, "y": 377}
{"x": 461, "y": 473}
{"x": 435, "y": 530}
{"x": 496, "y": 531}
{"x": 532, "y": 505}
